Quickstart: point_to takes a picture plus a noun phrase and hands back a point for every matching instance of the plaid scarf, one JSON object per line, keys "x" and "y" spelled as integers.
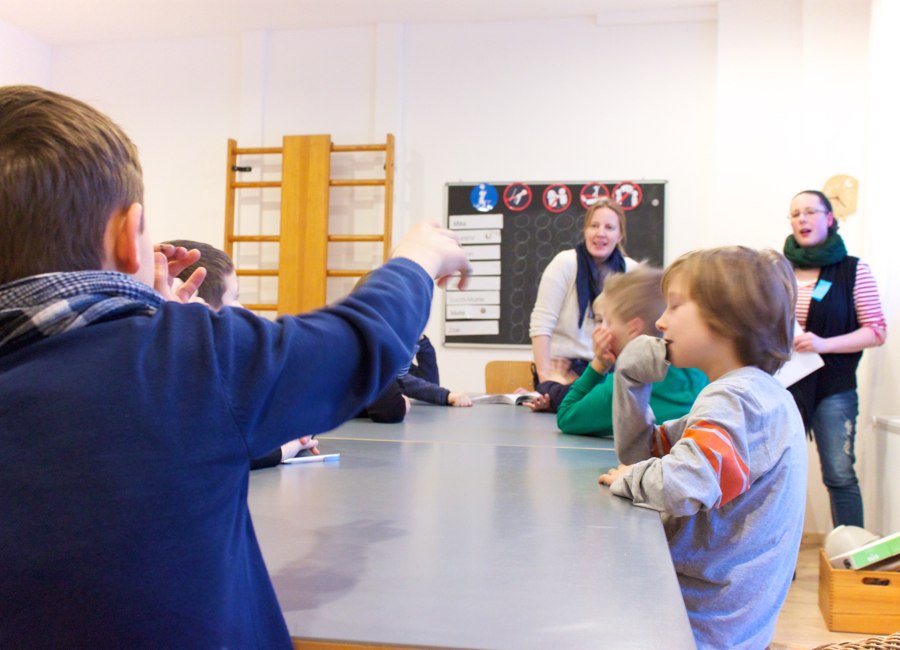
{"x": 37, "y": 307}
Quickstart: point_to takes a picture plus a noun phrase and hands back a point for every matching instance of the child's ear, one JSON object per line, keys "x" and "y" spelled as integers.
{"x": 123, "y": 239}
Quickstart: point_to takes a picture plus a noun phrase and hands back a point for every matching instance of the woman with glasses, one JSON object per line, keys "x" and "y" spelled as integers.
{"x": 840, "y": 314}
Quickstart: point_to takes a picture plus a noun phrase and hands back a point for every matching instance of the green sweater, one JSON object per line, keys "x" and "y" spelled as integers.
{"x": 587, "y": 408}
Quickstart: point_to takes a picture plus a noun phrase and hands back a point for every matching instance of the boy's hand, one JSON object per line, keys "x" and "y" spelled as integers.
{"x": 604, "y": 358}
{"x": 540, "y": 403}
{"x": 613, "y": 474}
{"x": 169, "y": 262}
{"x": 459, "y": 399}
{"x": 311, "y": 443}
{"x": 407, "y": 402}
{"x": 436, "y": 250}
{"x": 294, "y": 447}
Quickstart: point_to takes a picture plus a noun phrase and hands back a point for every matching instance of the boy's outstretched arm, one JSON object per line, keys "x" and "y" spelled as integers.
{"x": 356, "y": 346}
{"x": 436, "y": 250}
{"x": 641, "y": 363}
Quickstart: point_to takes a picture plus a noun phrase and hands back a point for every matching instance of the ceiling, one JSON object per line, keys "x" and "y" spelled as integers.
{"x": 58, "y": 22}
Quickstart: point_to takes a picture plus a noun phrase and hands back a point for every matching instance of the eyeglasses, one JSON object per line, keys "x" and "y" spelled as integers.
{"x": 805, "y": 212}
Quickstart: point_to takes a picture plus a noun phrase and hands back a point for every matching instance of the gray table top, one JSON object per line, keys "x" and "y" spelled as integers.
{"x": 481, "y": 424}
{"x": 432, "y": 543}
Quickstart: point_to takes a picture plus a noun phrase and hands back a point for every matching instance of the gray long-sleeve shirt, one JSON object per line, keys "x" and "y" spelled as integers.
{"x": 730, "y": 480}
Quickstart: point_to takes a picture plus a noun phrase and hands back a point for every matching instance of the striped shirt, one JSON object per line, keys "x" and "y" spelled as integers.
{"x": 865, "y": 298}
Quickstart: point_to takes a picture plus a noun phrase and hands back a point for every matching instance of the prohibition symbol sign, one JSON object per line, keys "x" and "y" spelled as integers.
{"x": 517, "y": 196}
{"x": 557, "y": 197}
{"x": 628, "y": 194}
{"x": 593, "y": 192}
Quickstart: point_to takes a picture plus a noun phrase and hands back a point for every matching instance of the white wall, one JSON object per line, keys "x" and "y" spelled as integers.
{"x": 561, "y": 100}
{"x": 179, "y": 102}
{"x": 880, "y": 375}
{"x": 23, "y": 58}
{"x": 737, "y": 109}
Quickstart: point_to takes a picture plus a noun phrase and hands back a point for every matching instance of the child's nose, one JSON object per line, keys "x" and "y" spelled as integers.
{"x": 661, "y": 325}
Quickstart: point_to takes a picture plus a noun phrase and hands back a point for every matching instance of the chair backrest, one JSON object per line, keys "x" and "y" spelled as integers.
{"x": 507, "y": 376}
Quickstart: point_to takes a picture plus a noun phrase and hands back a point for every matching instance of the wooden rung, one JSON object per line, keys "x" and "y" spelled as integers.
{"x": 345, "y": 273}
{"x": 256, "y": 150}
{"x": 344, "y": 148}
{"x": 255, "y": 238}
{"x": 258, "y": 272}
{"x": 355, "y": 238}
{"x": 357, "y": 183}
{"x": 242, "y": 184}
{"x": 261, "y": 307}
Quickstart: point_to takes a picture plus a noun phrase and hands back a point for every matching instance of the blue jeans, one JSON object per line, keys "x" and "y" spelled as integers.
{"x": 834, "y": 428}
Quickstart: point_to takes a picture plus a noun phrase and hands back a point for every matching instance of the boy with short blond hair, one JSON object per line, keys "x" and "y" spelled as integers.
{"x": 730, "y": 476}
{"x": 129, "y": 422}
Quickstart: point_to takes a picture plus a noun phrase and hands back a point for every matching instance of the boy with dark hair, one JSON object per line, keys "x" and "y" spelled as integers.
{"x": 135, "y": 531}
{"x": 220, "y": 286}
{"x": 730, "y": 476}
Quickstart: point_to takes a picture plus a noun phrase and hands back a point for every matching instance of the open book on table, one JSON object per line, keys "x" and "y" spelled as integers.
{"x": 505, "y": 398}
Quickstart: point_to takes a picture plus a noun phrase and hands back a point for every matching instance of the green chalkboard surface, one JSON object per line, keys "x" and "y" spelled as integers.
{"x": 511, "y": 231}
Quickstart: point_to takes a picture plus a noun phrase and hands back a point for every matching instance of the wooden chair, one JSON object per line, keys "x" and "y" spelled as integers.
{"x": 507, "y": 376}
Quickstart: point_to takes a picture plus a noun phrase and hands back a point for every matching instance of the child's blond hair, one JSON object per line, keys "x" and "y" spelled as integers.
{"x": 744, "y": 295}
{"x": 635, "y": 294}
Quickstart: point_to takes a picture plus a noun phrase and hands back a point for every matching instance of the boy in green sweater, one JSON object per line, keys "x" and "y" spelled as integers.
{"x": 629, "y": 306}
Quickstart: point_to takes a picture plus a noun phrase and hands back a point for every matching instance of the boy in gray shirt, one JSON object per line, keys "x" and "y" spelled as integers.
{"x": 729, "y": 477}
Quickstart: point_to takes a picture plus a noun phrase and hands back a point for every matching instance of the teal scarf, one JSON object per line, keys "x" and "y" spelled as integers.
{"x": 830, "y": 251}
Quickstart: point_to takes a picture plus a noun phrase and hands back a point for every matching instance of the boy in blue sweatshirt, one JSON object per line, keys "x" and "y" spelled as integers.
{"x": 135, "y": 531}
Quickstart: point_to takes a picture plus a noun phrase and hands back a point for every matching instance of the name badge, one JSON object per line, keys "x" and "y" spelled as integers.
{"x": 821, "y": 290}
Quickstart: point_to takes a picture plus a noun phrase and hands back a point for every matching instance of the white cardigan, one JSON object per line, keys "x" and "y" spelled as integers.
{"x": 556, "y": 306}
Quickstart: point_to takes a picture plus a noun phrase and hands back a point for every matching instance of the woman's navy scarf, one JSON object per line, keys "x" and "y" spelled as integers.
{"x": 589, "y": 279}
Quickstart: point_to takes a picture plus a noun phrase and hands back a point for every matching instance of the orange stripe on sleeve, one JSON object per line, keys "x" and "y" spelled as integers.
{"x": 718, "y": 448}
{"x": 660, "y": 445}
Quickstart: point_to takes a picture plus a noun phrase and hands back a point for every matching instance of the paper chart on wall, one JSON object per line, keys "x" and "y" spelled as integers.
{"x": 476, "y": 311}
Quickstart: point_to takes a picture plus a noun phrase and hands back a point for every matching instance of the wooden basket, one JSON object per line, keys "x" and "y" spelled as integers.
{"x": 859, "y": 601}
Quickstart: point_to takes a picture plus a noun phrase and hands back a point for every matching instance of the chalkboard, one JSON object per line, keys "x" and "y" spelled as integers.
{"x": 511, "y": 231}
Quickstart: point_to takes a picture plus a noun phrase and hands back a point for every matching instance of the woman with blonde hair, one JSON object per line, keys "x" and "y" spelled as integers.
{"x": 562, "y": 321}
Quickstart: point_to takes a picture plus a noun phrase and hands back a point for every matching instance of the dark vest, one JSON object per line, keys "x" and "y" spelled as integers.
{"x": 834, "y": 315}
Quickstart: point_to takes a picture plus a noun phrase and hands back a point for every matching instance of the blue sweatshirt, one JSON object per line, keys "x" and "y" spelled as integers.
{"x": 124, "y": 461}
